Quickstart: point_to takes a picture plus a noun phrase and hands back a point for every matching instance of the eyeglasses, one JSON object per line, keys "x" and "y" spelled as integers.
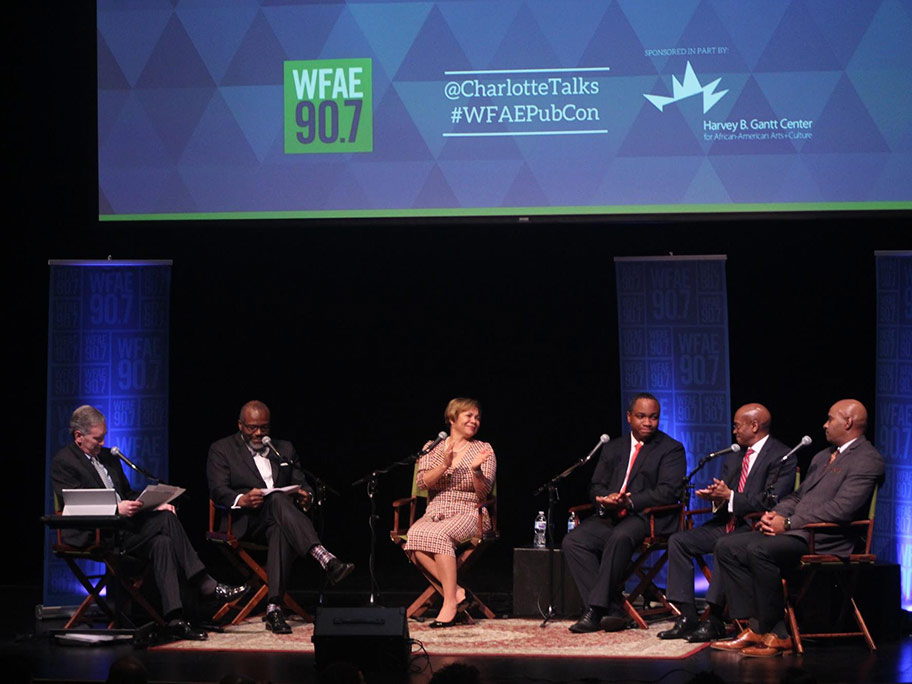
{"x": 263, "y": 427}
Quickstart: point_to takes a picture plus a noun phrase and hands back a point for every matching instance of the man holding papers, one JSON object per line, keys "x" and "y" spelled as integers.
{"x": 155, "y": 534}
{"x": 244, "y": 469}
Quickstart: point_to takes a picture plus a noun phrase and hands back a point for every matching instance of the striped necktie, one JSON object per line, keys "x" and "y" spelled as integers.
{"x": 745, "y": 467}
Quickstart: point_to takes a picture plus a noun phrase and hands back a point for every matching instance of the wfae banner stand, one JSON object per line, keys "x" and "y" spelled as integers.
{"x": 107, "y": 346}
{"x": 893, "y": 414}
{"x": 673, "y": 342}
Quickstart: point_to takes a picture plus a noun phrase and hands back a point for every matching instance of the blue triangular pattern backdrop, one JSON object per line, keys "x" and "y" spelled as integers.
{"x": 191, "y": 103}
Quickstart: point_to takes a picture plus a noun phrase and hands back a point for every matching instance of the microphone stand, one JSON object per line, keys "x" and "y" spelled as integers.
{"x": 686, "y": 485}
{"x": 553, "y": 498}
{"x": 371, "y": 480}
{"x": 319, "y": 499}
{"x": 769, "y": 498}
{"x": 138, "y": 469}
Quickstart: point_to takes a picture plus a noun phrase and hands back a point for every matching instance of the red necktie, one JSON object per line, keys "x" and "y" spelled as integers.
{"x": 745, "y": 466}
{"x": 633, "y": 457}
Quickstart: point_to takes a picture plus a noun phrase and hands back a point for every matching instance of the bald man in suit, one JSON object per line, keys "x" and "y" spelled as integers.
{"x": 838, "y": 488}
{"x": 239, "y": 468}
{"x": 746, "y": 479}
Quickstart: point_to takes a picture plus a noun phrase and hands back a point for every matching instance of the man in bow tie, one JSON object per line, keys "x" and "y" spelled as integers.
{"x": 240, "y": 467}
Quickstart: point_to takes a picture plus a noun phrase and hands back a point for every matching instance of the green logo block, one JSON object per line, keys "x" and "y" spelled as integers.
{"x": 328, "y": 106}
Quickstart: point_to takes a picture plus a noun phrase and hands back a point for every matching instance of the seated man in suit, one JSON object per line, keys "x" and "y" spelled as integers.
{"x": 157, "y": 535}
{"x": 239, "y": 468}
{"x": 747, "y": 478}
{"x": 838, "y": 488}
{"x": 643, "y": 470}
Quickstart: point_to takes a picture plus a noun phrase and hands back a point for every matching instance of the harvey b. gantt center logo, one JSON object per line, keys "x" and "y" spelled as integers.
{"x": 688, "y": 88}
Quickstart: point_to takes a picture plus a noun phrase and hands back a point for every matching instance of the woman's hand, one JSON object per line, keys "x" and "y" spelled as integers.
{"x": 448, "y": 455}
{"x": 481, "y": 457}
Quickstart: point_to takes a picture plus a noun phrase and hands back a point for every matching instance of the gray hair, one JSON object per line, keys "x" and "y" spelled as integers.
{"x": 84, "y": 418}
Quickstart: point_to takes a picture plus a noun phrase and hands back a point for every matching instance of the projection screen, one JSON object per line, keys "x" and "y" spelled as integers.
{"x": 284, "y": 109}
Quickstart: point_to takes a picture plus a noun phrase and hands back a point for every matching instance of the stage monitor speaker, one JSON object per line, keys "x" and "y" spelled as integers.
{"x": 373, "y": 638}
{"x": 531, "y": 583}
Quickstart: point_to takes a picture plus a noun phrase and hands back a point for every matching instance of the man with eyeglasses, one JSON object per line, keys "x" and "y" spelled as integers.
{"x": 85, "y": 463}
{"x": 240, "y": 468}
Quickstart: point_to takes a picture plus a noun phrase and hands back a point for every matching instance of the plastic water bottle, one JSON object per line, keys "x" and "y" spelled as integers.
{"x": 541, "y": 524}
{"x": 572, "y": 522}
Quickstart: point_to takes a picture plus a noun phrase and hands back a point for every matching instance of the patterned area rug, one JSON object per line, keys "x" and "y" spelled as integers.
{"x": 503, "y": 638}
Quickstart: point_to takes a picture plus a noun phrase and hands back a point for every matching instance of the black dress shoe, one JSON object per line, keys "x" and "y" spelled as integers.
{"x": 181, "y": 629}
{"x": 589, "y": 622}
{"x": 275, "y": 622}
{"x": 338, "y": 570}
{"x": 459, "y": 619}
{"x": 683, "y": 627}
{"x": 225, "y": 592}
{"x": 709, "y": 630}
{"x": 614, "y": 622}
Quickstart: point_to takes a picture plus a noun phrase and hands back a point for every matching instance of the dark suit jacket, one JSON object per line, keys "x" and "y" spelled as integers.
{"x": 71, "y": 469}
{"x": 655, "y": 479}
{"x": 838, "y": 493}
{"x": 232, "y": 471}
{"x": 760, "y": 477}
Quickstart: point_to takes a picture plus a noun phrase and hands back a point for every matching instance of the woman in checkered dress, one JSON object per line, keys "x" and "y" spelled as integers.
{"x": 458, "y": 474}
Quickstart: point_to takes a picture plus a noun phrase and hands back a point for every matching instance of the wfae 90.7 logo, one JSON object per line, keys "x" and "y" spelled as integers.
{"x": 328, "y": 106}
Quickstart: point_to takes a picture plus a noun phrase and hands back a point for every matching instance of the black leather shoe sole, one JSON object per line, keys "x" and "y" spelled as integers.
{"x": 223, "y": 592}
{"x": 184, "y": 631}
{"x": 339, "y": 570}
{"x": 584, "y": 627}
{"x": 706, "y": 632}
{"x": 681, "y": 630}
{"x": 615, "y": 623}
{"x": 276, "y": 624}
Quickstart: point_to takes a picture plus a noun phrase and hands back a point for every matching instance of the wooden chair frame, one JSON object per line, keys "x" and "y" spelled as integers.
{"x": 239, "y": 555}
{"x": 652, "y": 544}
{"x": 846, "y": 571}
{"x": 466, "y": 555}
{"x": 115, "y": 577}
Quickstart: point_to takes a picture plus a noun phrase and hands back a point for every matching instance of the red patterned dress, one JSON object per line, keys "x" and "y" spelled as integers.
{"x": 451, "y": 516}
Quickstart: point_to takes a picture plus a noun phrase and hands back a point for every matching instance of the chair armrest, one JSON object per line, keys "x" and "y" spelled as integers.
{"x": 491, "y": 505}
{"x": 651, "y": 511}
{"x": 811, "y": 528}
{"x": 412, "y": 502}
{"x": 214, "y": 511}
{"x": 582, "y": 508}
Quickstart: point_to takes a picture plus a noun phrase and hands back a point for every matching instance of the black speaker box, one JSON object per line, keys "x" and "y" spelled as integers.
{"x": 375, "y": 639}
{"x": 531, "y": 584}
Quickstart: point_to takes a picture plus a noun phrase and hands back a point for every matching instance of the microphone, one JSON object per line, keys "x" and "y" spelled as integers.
{"x": 604, "y": 439}
{"x": 117, "y": 452}
{"x": 267, "y": 440}
{"x": 142, "y": 471}
{"x": 731, "y": 449}
{"x": 440, "y": 437}
{"x": 805, "y": 441}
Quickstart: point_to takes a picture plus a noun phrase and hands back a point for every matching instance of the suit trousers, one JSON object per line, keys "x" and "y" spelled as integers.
{"x": 160, "y": 537}
{"x": 683, "y": 547}
{"x": 288, "y": 533}
{"x": 751, "y": 565}
{"x": 598, "y": 553}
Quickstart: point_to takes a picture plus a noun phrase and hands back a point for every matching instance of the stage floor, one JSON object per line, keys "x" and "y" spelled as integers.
{"x": 843, "y": 661}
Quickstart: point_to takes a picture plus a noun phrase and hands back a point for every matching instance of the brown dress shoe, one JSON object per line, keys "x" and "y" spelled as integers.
{"x": 747, "y": 638}
{"x": 771, "y": 646}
